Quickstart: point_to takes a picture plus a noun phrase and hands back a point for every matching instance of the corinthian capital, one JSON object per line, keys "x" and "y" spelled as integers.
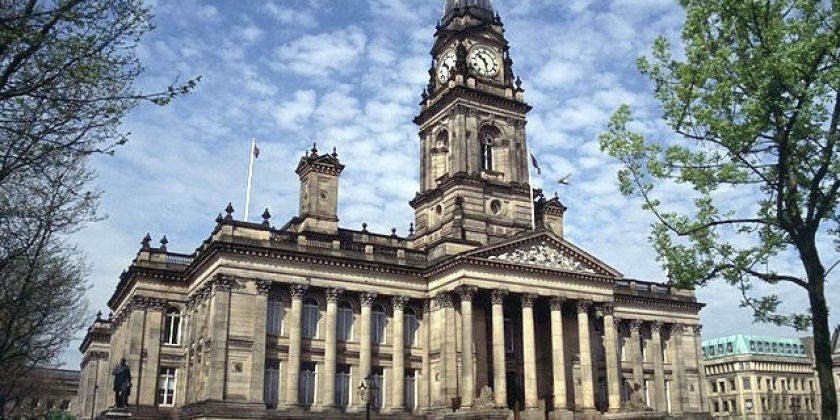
{"x": 399, "y": 302}
{"x": 367, "y": 298}
{"x": 467, "y": 292}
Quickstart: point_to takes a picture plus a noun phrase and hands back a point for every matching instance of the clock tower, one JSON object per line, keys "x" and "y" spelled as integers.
{"x": 474, "y": 158}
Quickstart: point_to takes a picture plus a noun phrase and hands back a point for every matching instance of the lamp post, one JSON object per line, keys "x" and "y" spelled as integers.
{"x": 367, "y": 392}
{"x": 456, "y": 403}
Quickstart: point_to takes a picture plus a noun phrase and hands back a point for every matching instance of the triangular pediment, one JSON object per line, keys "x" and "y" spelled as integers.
{"x": 545, "y": 250}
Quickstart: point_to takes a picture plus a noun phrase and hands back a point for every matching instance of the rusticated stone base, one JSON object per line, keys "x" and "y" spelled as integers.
{"x": 490, "y": 414}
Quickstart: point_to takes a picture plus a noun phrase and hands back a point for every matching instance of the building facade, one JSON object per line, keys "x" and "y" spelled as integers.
{"x": 484, "y": 305}
{"x": 755, "y": 377}
{"x": 44, "y": 393}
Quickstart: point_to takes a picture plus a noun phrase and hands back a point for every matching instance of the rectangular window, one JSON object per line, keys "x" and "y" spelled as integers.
{"x": 306, "y": 384}
{"x": 344, "y": 322}
{"x": 378, "y": 327}
{"x": 747, "y": 384}
{"x": 274, "y": 318}
{"x": 309, "y": 322}
{"x": 271, "y": 383}
{"x": 508, "y": 335}
{"x": 377, "y": 388}
{"x": 342, "y": 386}
{"x": 409, "y": 389}
{"x": 166, "y": 387}
{"x": 409, "y": 329}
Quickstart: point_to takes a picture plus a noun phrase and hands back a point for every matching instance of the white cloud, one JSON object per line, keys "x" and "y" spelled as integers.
{"x": 294, "y": 112}
{"x": 323, "y": 54}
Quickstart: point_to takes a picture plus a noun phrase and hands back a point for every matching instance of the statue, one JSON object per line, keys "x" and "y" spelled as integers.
{"x": 485, "y": 400}
{"x": 636, "y": 401}
{"x": 122, "y": 384}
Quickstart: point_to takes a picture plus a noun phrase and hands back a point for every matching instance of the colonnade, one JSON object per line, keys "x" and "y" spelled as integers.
{"x": 466, "y": 385}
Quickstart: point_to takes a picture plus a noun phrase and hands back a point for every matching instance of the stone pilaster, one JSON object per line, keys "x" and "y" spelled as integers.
{"x": 330, "y": 347}
{"x": 498, "y": 324}
{"x": 586, "y": 371}
{"x": 398, "y": 363}
{"x": 558, "y": 354}
{"x": 295, "y": 334}
{"x": 636, "y": 348}
{"x": 679, "y": 393}
{"x": 659, "y": 395}
{"x": 613, "y": 365}
{"x": 258, "y": 353}
{"x": 467, "y": 371}
{"x": 529, "y": 351}
{"x": 219, "y": 329}
{"x": 153, "y": 310}
{"x": 365, "y": 340}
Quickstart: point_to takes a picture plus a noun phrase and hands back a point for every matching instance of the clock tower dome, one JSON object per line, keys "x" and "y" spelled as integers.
{"x": 474, "y": 158}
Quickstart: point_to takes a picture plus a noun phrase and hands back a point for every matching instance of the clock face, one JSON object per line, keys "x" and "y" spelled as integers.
{"x": 447, "y": 63}
{"x": 483, "y": 60}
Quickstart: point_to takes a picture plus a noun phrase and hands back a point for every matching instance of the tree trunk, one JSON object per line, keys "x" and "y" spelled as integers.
{"x": 822, "y": 336}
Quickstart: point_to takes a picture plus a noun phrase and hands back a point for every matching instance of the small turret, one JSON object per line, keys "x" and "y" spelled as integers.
{"x": 319, "y": 191}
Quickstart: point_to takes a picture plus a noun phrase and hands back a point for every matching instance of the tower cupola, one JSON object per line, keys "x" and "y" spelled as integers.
{"x": 480, "y": 8}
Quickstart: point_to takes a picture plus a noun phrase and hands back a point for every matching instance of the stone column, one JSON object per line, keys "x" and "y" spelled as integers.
{"x": 701, "y": 371}
{"x": 659, "y": 396}
{"x": 330, "y": 347}
{"x": 449, "y": 362}
{"x": 365, "y": 343}
{"x": 636, "y": 347}
{"x": 613, "y": 365}
{"x": 426, "y": 327}
{"x": 295, "y": 332}
{"x": 678, "y": 391}
{"x": 529, "y": 351}
{"x": 558, "y": 355}
{"x": 262, "y": 288}
{"x": 499, "y": 371}
{"x": 398, "y": 363}
{"x": 467, "y": 371}
{"x": 588, "y": 382}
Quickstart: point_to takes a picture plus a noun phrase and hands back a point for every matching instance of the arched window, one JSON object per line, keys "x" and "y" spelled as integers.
{"x": 172, "y": 327}
{"x": 487, "y": 138}
{"x": 344, "y": 322}
{"x": 309, "y": 323}
{"x": 378, "y": 324}
{"x": 409, "y": 327}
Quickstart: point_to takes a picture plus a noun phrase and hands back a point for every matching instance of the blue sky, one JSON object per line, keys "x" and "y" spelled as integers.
{"x": 349, "y": 73}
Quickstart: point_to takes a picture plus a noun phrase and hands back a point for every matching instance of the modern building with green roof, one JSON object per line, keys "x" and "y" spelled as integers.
{"x": 761, "y": 377}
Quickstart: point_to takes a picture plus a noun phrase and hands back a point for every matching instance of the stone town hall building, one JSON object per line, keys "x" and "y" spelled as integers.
{"x": 278, "y": 322}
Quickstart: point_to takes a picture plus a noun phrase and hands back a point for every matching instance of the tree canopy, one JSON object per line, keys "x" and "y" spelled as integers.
{"x": 753, "y": 103}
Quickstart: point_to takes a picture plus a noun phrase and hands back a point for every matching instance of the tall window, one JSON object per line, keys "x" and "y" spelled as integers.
{"x": 172, "y": 327}
{"x": 410, "y": 326}
{"x": 342, "y": 386}
{"x": 409, "y": 389}
{"x": 271, "y": 383}
{"x": 306, "y": 384}
{"x": 378, "y": 324}
{"x": 166, "y": 387}
{"x": 486, "y": 138}
{"x": 310, "y": 318}
{"x": 274, "y": 318}
{"x": 344, "y": 322}
{"x": 379, "y": 385}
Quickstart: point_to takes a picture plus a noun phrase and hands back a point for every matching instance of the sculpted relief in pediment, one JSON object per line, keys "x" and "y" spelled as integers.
{"x": 544, "y": 255}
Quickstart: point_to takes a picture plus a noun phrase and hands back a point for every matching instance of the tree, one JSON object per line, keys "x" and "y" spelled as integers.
{"x": 754, "y": 106}
{"x": 67, "y": 74}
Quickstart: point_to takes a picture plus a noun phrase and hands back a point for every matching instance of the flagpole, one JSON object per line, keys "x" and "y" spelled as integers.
{"x": 250, "y": 177}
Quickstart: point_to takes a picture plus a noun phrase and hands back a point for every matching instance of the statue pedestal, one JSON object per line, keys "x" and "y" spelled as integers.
{"x": 115, "y": 413}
